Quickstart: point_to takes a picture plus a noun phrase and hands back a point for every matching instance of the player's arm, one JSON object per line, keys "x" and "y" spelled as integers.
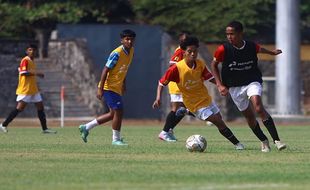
{"x": 23, "y": 70}
{"x": 263, "y": 50}
{"x": 207, "y": 75}
{"x": 172, "y": 74}
{"x": 218, "y": 58}
{"x": 111, "y": 62}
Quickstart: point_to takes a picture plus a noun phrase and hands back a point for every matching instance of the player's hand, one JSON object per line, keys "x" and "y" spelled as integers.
{"x": 99, "y": 93}
{"x": 276, "y": 51}
{"x": 156, "y": 104}
{"x": 223, "y": 90}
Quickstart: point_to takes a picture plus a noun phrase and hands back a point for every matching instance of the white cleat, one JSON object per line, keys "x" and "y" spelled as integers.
{"x": 239, "y": 146}
{"x": 3, "y": 129}
{"x": 49, "y": 131}
{"x": 265, "y": 146}
{"x": 280, "y": 145}
{"x": 166, "y": 137}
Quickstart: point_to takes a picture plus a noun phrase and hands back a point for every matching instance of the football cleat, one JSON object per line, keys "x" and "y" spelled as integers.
{"x": 119, "y": 143}
{"x": 265, "y": 146}
{"x": 239, "y": 146}
{"x": 3, "y": 129}
{"x": 280, "y": 145}
{"x": 166, "y": 137}
{"x": 49, "y": 131}
{"x": 171, "y": 134}
{"x": 84, "y": 133}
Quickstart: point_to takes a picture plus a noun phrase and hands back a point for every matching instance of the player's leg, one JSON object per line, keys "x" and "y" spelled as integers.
{"x": 212, "y": 114}
{"x": 42, "y": 117}
{"x": 116, "y": 127}
{"x": 19, "y": 108}
{"x": 267, "y": 120}
{"x": 254, "y": 125}
{"x": 217, "y": 120}
{"x": 172, "y": 119}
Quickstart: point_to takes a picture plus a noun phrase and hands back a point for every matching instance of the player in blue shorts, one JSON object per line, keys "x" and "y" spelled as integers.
{"x": 112, "y": 86}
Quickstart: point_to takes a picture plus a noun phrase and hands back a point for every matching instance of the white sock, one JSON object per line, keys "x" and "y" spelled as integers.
{"x": 116, "y": 135}
{"x": 91, "y": 124}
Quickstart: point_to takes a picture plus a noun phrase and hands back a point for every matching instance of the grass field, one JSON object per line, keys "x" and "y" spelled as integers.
{"x": 30, "y": 160}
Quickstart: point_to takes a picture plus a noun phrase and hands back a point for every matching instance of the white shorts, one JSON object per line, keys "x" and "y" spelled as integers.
{"x": 29, "y": 98}
{"x": 176, "y": 98}
{"x": 242, "y": 94}
{"x": 204, "y": 113}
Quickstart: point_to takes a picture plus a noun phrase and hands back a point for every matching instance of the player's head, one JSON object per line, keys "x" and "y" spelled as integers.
{"x": 182, "y": 36}
{"x": 127, "y": 38}
{"x": 31, "y": 50}
{"x": 190, "y": 45}
{"x": 234, "y": 32}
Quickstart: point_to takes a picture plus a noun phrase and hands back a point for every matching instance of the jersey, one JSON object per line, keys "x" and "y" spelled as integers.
{"x": 176, "y": 57}
{"x": 118, "y": 63}
{"x": 191, "y": 83}
{"x": 27, "y": 84}
{"x": 239, "y": 65}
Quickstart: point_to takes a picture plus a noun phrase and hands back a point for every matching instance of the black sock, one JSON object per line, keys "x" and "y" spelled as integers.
{"x": 229, "y": 135}
{"x": 258, "y": 132}
{"x": 171, "y": 121}
{"x": 11, "y": 116}
{"x": 42, "y": 119}
{"x": 271, "y": 129}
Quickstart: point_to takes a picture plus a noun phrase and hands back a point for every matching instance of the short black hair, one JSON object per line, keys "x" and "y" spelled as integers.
{"x": 236, "y": 25}
{"x": 187, "y": 33}
{"x": 189, "y": 41}
{"x": 127, "y": 33}
{"x": 33, "y": 46}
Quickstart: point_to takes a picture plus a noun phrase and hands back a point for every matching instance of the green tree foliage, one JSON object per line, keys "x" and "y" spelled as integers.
{"x": 206, "y": 18}
{"x": 22, "y": 17}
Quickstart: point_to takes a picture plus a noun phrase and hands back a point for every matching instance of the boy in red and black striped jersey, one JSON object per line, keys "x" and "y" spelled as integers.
{"x": 241, "y": 78}
{"x": 189, "y": 74}
{"x": 27, "y": 91}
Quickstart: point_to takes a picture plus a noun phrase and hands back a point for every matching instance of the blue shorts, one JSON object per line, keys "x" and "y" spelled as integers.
{"x": 113, "y": 100}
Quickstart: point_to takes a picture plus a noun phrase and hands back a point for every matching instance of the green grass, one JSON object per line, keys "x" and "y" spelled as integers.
{"x": 31, "y": 160}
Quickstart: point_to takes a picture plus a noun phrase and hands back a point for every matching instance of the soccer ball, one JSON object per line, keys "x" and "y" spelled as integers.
{"x": 196, "y": 143}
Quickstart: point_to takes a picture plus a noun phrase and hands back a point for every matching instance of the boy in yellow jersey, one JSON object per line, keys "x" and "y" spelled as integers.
{"x": 175, "y": 98}
{"x": 189, "y": 74}
{"x": 112, "y": 86}
{"x": 27, "y": 91}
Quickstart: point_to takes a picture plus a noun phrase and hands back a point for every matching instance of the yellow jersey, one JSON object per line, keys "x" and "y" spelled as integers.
{"x": 27, "y": 85}
{"x": 191, "y": 83}
{"x": 118, "y": 62}
{"x": 176, "y": 57}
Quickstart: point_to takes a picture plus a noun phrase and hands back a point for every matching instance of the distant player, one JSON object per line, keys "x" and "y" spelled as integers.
{"x": 175, "y": 98}
{"x": 189, "y": 74}
{"x": 27, "y": 91}
{"x": 112, "y": 86}
{"x": 241, "y": 78}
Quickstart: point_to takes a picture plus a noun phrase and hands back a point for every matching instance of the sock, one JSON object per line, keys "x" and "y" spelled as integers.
{"x": 171, "y": 121}
{"x": 116, "y": 135}
{"x": 271, "y": 129}
{"x": 229, "y": 135}
{"x": 91, "y": 124}
{"x": 11, "y": 116}
{"x": 42, "y": 119}
{"x": 258, "y": 132}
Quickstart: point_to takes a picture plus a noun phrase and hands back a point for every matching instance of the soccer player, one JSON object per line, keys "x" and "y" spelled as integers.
{"x": 242, "y": 79}
{"x": 27, "y": 90}
{"x": 112, "y": 86}
{"x": 189, "y": 74}
{"x": 175, "y": 98}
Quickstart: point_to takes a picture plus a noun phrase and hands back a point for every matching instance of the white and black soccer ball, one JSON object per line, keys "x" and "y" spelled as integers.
{"x": 196, "y": 143}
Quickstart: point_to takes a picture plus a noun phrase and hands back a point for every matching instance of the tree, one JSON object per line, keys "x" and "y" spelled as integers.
{"x": 37, "y": 18}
